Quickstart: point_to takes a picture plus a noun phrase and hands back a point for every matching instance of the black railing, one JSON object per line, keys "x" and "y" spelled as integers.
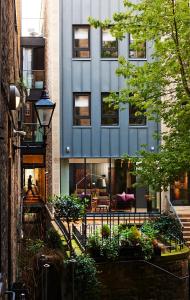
{"x": 62, "y": 228}
{"x": 79, "y": 237}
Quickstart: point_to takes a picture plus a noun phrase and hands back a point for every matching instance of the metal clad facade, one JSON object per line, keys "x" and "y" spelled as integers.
{"x": 95, "y": 75}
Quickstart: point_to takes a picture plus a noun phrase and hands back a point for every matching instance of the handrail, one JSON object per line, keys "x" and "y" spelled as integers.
{"x": 172, "y": 209}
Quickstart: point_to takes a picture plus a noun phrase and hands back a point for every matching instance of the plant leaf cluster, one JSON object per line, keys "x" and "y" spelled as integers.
{"x": 159, "y": 88}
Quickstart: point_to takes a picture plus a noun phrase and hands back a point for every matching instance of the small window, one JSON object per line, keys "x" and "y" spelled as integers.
{"x": 109, "y": 44}
{"x": 81, "y": 109}
{"x": 27, "y": 109}
{"x": 109, "y": 116}
{"x": 134, "y": 118}
{"x": 138, "y": 51}
{"x": 81, "y": 41}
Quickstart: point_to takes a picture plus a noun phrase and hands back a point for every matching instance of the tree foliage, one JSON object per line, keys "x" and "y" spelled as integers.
{"x": 160, "y": 86}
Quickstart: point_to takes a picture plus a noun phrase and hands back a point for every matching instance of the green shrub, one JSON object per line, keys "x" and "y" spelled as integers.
{"x": 83, "y": 274}
{"x": 109, "y": 248}
{"x": 53, "y": 239}
{"x": 105, "y": 231}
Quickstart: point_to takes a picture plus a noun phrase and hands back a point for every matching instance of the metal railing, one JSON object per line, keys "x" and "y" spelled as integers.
{"x": 173, "y": 211}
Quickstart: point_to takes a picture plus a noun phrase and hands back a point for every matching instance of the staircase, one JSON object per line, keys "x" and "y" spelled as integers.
{"x": 183, "y": 213}
{"x": 32, "y": 200}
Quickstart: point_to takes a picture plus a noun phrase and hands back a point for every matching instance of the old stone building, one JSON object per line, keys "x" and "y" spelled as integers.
{"x": 10, "y": 111}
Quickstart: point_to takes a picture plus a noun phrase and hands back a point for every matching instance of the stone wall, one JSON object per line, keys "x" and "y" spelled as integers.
{"x": 9, "y": 160}
{"x": 140, "y": 281}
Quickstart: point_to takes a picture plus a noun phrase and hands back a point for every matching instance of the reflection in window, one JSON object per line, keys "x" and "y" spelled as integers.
{"x": 136, "y": 116}
{"x": 109, "y": 44}
{"x": 136, "y": 50}
{"x": 109, "y": 116}
{"x": 81, "y": 41}
{"x": 81, "y": 110}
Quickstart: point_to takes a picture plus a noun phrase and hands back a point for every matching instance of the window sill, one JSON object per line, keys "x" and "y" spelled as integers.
{"x": 139, "y": 59}
{"x": 81, "y": 59}
{"x": 137, "y": 126}
{"x": 80, "y": 126}
{"x": 110, "y": 126}
{"x": 109, "y": 59}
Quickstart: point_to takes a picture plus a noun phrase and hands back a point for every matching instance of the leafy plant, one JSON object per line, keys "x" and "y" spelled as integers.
{"x": 93, "y": 244}
{"x": 105, "y": 231}
{"x": 34, "y": 246}
{"x": 109, "y": 248}
{"x": 159, "y": 88}
{"x": 53, "y": 239}
{"x": 149, "y": 229}
{"x": 147, "y": 247}
{"x": 86, "y": 285}
{"x": 71, "y": 209}
{"x": 168, "y": 225}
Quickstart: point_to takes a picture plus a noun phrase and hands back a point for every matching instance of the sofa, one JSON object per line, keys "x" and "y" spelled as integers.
{"x": 124, "y": 201}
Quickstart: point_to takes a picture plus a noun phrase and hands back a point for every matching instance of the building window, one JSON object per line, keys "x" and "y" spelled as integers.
{"x": 109, "y": 116}
{"x": 137, "y": 50}
{"x": 81, "y": 41}
{"x": 81, "y": 109}
{"x": 27, "y": 109}
{"x": 109, "y": 44}
{"x": 134, "y": 117}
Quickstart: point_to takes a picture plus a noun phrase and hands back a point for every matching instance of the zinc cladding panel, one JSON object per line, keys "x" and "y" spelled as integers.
{"x": 95, "y": 75}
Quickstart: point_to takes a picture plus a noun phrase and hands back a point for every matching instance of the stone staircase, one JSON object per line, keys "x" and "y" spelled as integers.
{"x": 32, "y": 200}
{"x": 183, "y": 213}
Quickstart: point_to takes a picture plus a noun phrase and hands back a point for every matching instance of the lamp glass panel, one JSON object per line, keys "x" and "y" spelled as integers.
{"x": 44, "y": 115}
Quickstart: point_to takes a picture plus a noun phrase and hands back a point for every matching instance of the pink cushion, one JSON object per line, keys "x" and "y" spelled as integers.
{"x": 129, "y": 197}
{"x": 121, "y": 197}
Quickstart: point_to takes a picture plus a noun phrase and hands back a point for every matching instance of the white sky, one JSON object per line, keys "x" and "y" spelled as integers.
{"x": 31, "y": 13}
{"x": 31, "y": 8}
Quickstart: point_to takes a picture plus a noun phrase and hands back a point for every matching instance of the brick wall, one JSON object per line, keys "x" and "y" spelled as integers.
{"x": 9, "y": 162}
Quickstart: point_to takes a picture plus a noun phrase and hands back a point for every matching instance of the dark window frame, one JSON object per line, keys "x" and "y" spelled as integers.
{"x": 107, "y": 116}
{"x": 76, "y": 49}
{"x": 111, "y": 49}
{"x": 75, "y": 117}
{"x": 136, "y": 57}
{"x": 142, "y": 118}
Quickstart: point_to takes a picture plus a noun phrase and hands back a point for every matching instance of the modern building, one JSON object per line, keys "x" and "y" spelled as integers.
{"x": 92, "y": 136}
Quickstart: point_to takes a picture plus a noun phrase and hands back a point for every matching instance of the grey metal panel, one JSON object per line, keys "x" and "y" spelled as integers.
{"x": 142, "y": 137}
{"x": 105, "y": 142}
{"x": 94, "y": 75}
{"x": 85, "y": 76}
{"x": 114, "y": 142}
{"x": 104, "y": 9}
{"x": 133, "y": 141}
{"x": 85, "y": 11}
{"x": 114, "y": 80}
{"x": 124, "y": 133}
{"x": 86, "y": 142}
{"x": 105, "y": 76}
{"x": 77, "y": 142}
{"x": 76, "y": 11}
{"x": 66, "y": 83}
{"x": 114, "y": 6}
{"x": 95, "y": 9}
{"x": 76, "y": 76}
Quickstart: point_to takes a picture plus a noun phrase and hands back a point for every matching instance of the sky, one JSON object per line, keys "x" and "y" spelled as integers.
{"x": 31, "y": 23}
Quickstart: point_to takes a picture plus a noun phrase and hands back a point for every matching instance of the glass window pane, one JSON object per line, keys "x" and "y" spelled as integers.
{"x": 81, "y": 101}
{"x": 137, "y": 50}
{"x": 134, "y": 118}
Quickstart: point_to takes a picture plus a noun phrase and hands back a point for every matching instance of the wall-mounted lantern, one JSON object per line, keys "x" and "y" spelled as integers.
{"x": 14, "y": 97}
{"x": 44, "y": 108}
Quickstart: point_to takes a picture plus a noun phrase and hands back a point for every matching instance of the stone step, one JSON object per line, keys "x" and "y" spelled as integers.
{"x": 186, "y": 228}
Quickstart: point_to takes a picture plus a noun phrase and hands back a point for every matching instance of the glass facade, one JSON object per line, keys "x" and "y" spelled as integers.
{"x": 111, "y": 180}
